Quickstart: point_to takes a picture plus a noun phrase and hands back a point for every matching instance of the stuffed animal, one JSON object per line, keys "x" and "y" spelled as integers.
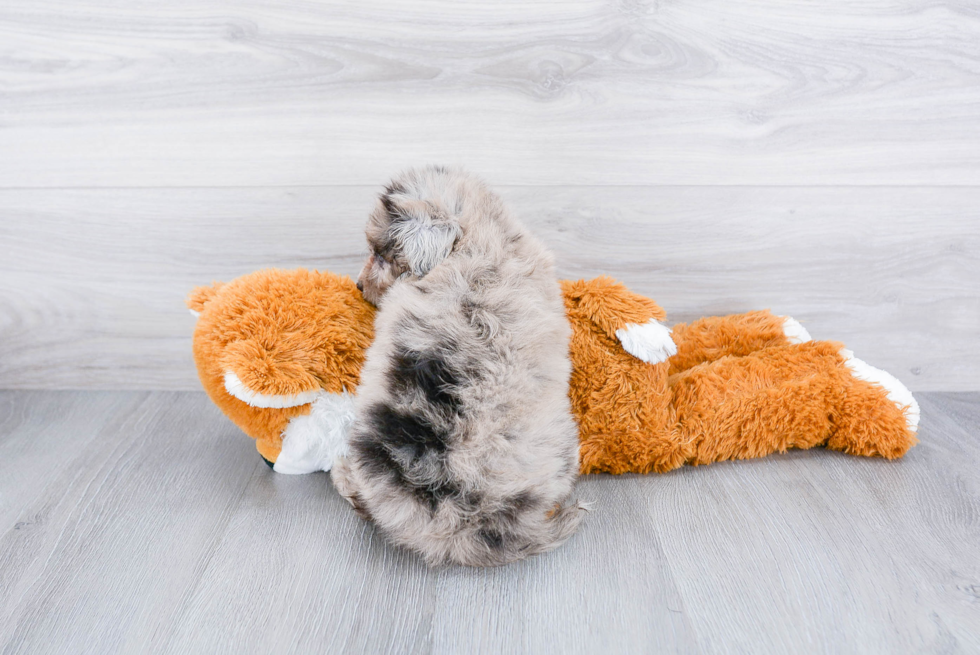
{"x": 280, "y": 353}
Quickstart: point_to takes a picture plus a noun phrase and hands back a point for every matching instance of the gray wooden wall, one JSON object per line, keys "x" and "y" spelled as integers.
{"x": 818, "y": 158}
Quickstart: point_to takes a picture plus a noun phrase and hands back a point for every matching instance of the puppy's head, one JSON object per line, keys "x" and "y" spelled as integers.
{"x": 413, "y": 228}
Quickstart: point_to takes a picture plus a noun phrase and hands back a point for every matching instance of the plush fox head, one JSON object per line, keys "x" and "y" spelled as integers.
{"x": 272, "y": 346}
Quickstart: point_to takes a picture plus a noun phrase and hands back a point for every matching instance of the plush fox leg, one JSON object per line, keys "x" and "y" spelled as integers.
{"x": 793, "y": 396}
{"x": 866, "y": 424}
{"x": 714, "y": 337}
{"x": 621, "y": 401}
{"x": 626, "y": 421}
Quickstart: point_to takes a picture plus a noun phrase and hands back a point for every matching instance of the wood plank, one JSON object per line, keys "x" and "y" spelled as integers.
{"x": 92, "y": 281}
{"x": 810, "y": 551}
{"x": 583, "y": 92}
{"x": 609, "y": 589}
{"x": 173, "y": 537}
{"x": 103, "y": 559}
{"x": 43, "y": 433}
{"x": 297, "y": 571}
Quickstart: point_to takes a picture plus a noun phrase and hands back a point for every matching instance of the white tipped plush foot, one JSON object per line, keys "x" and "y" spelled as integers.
{"x": 649, "y": 342}
{"x": 795, "y": 333}
{"x": 898, "y": 393}
{"x": 314, "y": 441}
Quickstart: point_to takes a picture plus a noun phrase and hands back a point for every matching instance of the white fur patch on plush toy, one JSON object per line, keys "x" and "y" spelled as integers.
{"x": 795, "y": 333}
{"x": 237, "y": 388}
{"x": 314, "y": 441}
{"x": 649, "y": 342}
{"x": 898, "y": 393}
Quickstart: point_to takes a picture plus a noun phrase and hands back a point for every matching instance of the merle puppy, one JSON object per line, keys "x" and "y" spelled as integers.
{"x": 464, "y": 447}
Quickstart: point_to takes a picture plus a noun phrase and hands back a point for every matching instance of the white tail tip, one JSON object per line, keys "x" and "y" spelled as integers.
{"x": 795, "y": 333}
{"x": 898, "y": 393}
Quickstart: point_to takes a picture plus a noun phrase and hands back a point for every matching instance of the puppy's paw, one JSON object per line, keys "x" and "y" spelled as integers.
{"x": 795, "y": 333}
{"x": 313, "y": 442}
{"x": 649, "y": 342}
{"x": 898, "y": 393}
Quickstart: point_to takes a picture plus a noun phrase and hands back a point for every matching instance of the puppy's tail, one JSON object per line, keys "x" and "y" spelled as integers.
{"x": 493, "y": 544}
{"x": 562, "y": 524}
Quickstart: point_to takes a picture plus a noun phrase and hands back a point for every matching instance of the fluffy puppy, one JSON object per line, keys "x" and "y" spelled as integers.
{"x": 464, "y": 448}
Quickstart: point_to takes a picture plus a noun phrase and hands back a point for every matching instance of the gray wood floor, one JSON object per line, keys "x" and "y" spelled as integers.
{"x": 145, "y": 522}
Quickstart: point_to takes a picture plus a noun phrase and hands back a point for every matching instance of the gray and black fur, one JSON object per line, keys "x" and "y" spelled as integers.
{"x": 464, "y": 447}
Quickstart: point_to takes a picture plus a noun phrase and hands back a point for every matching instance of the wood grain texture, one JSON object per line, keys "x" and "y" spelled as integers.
{"x": 92, "y": 282}
{"x": 164, "y": 533}
{"x": 34, "y": 449}
{"x": 842, "y": 550}
{"x": 104, "y": 557}
{"x": 820, "y": 159}
{"x": 203, "y": 93}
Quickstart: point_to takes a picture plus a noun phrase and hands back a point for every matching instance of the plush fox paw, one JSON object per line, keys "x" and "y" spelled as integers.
{"x": 897, "y": 392}
{"x": 313, "y": 442}
{"x": 310, "y": 442}
{"x": 649, "y": 342}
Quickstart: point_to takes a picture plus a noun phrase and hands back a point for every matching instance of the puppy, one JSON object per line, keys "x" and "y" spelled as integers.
{"x": 464, "y": 447}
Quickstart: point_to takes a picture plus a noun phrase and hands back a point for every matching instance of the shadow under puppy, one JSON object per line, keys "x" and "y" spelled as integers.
{"x": 464, "y": 447}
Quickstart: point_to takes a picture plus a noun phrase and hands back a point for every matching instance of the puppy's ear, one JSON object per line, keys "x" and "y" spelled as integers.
{"x": 426, "y": 236}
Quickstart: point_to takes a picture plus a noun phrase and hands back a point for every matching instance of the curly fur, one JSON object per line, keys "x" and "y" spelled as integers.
{"x": 464, "y": 447}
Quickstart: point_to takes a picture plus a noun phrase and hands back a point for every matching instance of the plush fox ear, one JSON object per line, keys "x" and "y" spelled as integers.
{"x": 201, "y": 296}
{"x": 609, "y": 304}
{"x": 425, "y": 235}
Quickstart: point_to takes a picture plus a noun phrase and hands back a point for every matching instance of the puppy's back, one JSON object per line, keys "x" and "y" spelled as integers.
{"x": 465, "y": 448}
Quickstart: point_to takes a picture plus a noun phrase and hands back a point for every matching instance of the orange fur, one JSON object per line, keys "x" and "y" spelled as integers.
{"x": 620, "y": 402}
{"x": 280, "y": 332}
{"x": 735, "y": 389}
{"x": 713, "y": 337}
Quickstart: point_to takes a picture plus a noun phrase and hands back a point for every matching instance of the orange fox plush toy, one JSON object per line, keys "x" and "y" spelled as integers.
{"x": 280, "y": 353}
